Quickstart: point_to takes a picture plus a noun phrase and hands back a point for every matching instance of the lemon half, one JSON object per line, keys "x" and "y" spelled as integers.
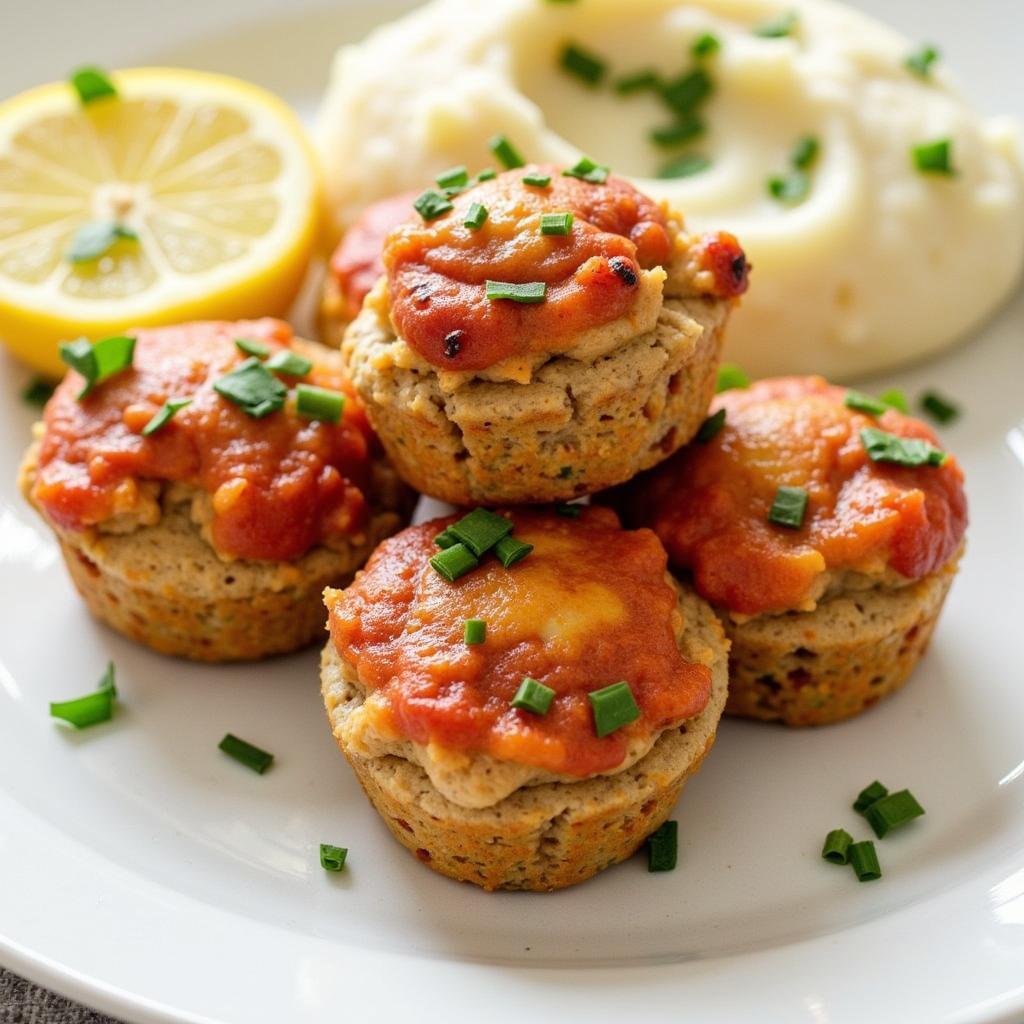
{"x": 210, "y": 182}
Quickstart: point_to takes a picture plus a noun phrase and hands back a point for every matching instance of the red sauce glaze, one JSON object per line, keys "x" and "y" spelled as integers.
{"x": 280, "y": 484}
{"x": 721, "y": 254}
{"x": 709, "y": 504}
{"x": 437, "y": 271}
{"x": 590, "y": 607}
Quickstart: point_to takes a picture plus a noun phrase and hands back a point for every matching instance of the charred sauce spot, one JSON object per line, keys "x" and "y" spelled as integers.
{"x": 624, "y": 270}
{"x": 453, "y": 343}
{"x": 723, "y": 257}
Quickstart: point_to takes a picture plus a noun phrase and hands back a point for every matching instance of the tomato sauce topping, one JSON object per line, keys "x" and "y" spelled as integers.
{"x": 590, "y": 607}
{"x": 437, "y": 271}
{"x": 710, "y": 503}
{"x": 279, "y": 485}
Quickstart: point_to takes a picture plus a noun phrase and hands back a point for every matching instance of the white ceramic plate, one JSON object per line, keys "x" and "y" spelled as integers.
{"x": 146, "y": 874}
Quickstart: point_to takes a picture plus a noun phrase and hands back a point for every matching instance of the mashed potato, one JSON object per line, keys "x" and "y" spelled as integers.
{"x": 878, "y": 265}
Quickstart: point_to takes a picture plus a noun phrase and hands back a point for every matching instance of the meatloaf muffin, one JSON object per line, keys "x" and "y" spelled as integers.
{"x": 551, "y": 743}
{"x": 205, "y": 495}
{"x": 538, "y": 336}
{"x": 825, "y": 529}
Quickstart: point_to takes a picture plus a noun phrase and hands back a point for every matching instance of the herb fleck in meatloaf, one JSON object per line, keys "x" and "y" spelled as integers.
{"x": 606, "y": 369}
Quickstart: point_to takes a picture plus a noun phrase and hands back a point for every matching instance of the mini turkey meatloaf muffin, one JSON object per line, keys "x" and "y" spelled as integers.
{"x": 523, "y": 727}
{"x": 205, "y": 494}
{"x": 539, "y": 336}
{"x": 825, "y": 528}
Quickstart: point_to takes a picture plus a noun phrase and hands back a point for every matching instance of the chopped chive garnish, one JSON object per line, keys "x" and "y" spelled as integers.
{"x": 432, "y": 205}
{"x": 790, "y": 189}
{"x": 445, "y": 539}
{"x": 251, "y": 347}
{"x": 892, "y": 811}
{"x": 837, "y": 846}
{"x": 533, "y": 696}
{"x": 778, "y": 27}
{"x": 480, "y": 530}
{"x": 689, "y": 127}
{"x": 789, "y": 507}
{"x": 941, "y": 409}
{"x": 663, "y": 847}
{"x": 903, "y": 451}
{"x": 487, "y": 174}
{"x": 805, "y": 152}
{"x": 454, "y": 561}
{"x": 731, "y": 376}
{"x": 92, "y": 84}
{"x": 474, "y": 631}
{"x": 568, "y": 511}
{"x": 537, "y": 180}
{"x": 864, "y": 861}
{"x": 586, "y": 66}
{"x": 685, "y": 166}
{"x": 319, "y": 403}
{"x": 934, "y": 157}
{"x": 895, "y": 399}
{"x": 506, "y": 152}
{"x": 290, "y": 364}
{"x": 711, "y": 427}
{"x": 164, "y": 415}
{"x": 91, "y": 709}
{"x": 706, "y": 45}
{"x": 613, "y": 708}
{"x": 453, "y": 178}
{"x": 96, "y": 238}
{"x": 920, "y": 61}
{"x": 868, "y": 795}
{"x": 586, "y": 170}
{"x": 37, "y": 392}
{"x": 556, "y": 223}
{"x": 508, "y": 551}
{"x": 253, "y": 388}
{"x": 530, "y": 293}
{"x": 96, "y": 362}
{"x": 864, "y": 403}
{"x": 476, "y": 217}
{"x": 638, "y": 81}
{"x": 245, "y": 753}
{"x": 687, "y": 91}
{"x": 332, "y": 858}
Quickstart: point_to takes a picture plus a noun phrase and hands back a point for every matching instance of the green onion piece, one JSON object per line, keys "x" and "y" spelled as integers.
{"x": 638, "y": 81}
{"x": 474, "y": 631}
{"x": 96, "y": 238}
{"x": 91, "y": 709}
{"x": 530, "y": 293}
{"x": 454, "y": 561}
{"x": 251, "y": 347}
{"x": 453, "y": 178}
{"x": 252, "y": 757}
{"x": 805, "y": 152}
{"x": 92, "y": 84}
{"x": 432, "y": 205}
{"x": 687, "y": 91}
{"x": 537, "y": 180}
{"x": 903, "y": 451}
{"x": 565, "y": 472}
{"x": 533, "y": 696}
{"x": 480, "y": 530}
{"x": 685, "y": 167}
{"x": 613, "y": 708}
{"x": 731, "y": 376}
{"x": 97, "y": 362}
{"x": 332, "y": 858}
{"x": 837, "y": 846}
{"x": 586, "y": 170}
{"x": 476, "y": 217}
{"x": 289, "y": 364}
{"x": 568, "y": 511}
{"x": 706, "y": 45}
{"x": 556, "y": 223}
{"x": 790, "y": 189}
{"x": 920, "y": 61}
{"x": 506, "y": 152}
{"x": 934, "y": 157}
{"x": 864, "y": 403}
{"x": 508, "y": 551}
{"x": 789, "y": 507}
{"x": 689, "y": 127}
{"x": 319, "y": 403}
{"x": 895, "y": 399}
{"x": 37, "y": 392}
{"x": 711, "y": 427}
{"x": 445, "y": 539}
{"x": 487, "y": 174}
{"x": 778, "y": 27}
{"x": 663, "y": 847}
{"x": 868, "y": 795}
{"x": 252, "y": 387}
{"x": 585, "y": 66}
{"x": 892, "y": 811}
{"x": 164, "y": 415}
{"x": 864, "y": 861}
{"x": 941, "y": 409}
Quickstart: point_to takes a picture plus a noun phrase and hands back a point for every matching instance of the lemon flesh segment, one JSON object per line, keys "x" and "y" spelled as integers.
{"x": 213, "y": 179}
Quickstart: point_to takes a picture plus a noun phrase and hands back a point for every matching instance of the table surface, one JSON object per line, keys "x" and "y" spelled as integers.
{"x": 24, "y": 1003}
